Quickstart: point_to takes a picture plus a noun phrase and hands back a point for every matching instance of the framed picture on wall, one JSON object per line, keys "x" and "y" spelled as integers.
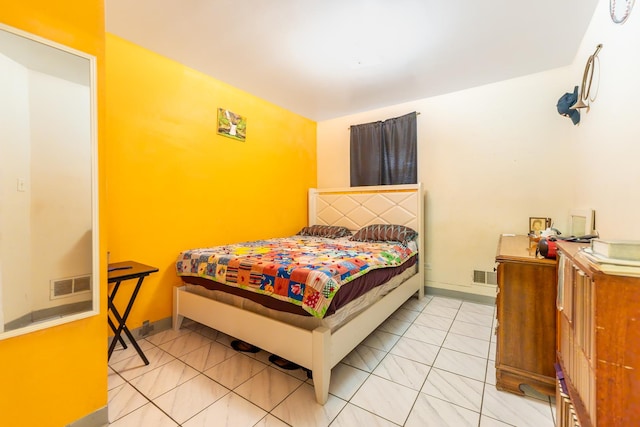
{"x": 232, "y": 125}
{"x": 538, "y": 224}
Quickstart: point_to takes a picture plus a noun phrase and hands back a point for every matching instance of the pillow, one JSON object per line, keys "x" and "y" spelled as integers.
{"x": 330, "y": 231}
{"x": 385, "y": 233}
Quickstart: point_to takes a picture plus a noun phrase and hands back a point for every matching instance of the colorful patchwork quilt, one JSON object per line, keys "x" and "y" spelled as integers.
{"x": 306, "y": 271}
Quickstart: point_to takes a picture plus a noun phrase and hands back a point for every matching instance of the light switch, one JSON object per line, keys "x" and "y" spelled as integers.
{"x": 21, "y": 184}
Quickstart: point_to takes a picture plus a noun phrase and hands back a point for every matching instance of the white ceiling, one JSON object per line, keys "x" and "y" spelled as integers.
{"x": 329, "y": 58}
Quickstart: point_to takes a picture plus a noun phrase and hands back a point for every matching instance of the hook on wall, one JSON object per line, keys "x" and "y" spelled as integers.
{"x": 585, "y": 98}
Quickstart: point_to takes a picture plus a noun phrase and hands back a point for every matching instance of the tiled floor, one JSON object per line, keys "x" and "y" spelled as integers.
{"x": 430, "y": 364}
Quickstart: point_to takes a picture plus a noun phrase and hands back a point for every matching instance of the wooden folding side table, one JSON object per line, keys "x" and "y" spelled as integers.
{"x": 119, "y": 272}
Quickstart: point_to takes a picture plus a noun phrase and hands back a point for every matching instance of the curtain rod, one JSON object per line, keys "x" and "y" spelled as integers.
{"x": 417, "y": 114}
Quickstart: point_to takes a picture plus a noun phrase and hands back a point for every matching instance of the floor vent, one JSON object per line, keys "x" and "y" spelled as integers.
{"x": 485, "y": 277}
{"x": 62, "y": 288}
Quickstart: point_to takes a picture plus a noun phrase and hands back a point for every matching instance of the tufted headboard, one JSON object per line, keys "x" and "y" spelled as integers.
{"x": 356, "y": 207}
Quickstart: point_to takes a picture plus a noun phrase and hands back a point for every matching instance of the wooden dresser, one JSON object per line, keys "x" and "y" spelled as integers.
{"x": 598, "y": 344}
{"x": 526, "y": 314}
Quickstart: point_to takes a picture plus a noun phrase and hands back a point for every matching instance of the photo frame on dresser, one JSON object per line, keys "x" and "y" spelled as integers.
{"x": 581, "y": 222}
{"x": 538, "y": 224}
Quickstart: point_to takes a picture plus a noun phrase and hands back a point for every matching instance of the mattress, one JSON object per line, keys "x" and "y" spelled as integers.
{"x": 334, "y": 321}
{"x": 356, "y": 288}
{"x": 297, "y": 274}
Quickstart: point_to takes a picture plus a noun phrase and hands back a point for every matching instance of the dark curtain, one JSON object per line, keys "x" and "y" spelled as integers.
{"x": 384, "y": 153}
{"x": 366, "y": 154}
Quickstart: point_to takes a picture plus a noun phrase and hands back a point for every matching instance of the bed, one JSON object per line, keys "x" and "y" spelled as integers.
{"x": 316, "y": 342}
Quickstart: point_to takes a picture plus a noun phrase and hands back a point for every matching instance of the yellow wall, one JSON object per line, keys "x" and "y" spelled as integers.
{"x": 58, "y": 375}
{"x": 174, "y": 183}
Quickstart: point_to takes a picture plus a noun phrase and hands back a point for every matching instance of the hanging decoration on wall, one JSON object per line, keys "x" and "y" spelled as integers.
{"x": 232, "y": 125}
{"x": 586, "y": 97}
{"x": 618, "y": 14}
{"x": 565, "y": 106}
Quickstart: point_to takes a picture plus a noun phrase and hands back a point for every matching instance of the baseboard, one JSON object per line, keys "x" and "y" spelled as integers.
{"x": 147, "y": 330}
{"x": 466, "y": 296}
{"x": 99, "y": 418}
{"x": 48, "y": 314}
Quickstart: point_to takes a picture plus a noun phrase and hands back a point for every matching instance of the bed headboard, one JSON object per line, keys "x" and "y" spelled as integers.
{"x": 356, "y": 207}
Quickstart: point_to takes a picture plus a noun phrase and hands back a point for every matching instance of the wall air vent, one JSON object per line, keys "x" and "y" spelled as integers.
{"x": 485, "y": 277}
{"x": 70, "y": 286}
{"x": 479, "y": 276}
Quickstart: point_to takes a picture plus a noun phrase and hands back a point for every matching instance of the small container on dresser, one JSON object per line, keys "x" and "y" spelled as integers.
{"x": 526, "y": 315}
{"x": 598, "y": 343}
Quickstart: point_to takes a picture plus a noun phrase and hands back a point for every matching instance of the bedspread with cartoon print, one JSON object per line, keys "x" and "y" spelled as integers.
{"x": 306, "y": 271}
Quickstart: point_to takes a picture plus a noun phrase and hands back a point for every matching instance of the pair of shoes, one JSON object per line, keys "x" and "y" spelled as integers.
{"x": 245, "y": 347}
{"x": 283, "y": 363}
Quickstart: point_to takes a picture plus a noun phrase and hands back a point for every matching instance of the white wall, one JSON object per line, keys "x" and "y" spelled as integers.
{"x": 607, "y": 143}
{"x": 15, "y": 157}
{"x": 60, "y": 184}
{"x": 492, "y": 156}
{"x": 45, "y": 230}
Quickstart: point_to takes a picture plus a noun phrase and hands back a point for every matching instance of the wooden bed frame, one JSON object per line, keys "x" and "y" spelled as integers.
{"x": 321, "y": 349}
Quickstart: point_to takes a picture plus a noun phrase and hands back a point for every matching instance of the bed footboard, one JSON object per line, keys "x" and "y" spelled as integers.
{"x": 318, "y": 350}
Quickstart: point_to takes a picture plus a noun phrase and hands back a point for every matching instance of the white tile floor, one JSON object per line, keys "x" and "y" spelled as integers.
{"x": 430, "y": 364}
